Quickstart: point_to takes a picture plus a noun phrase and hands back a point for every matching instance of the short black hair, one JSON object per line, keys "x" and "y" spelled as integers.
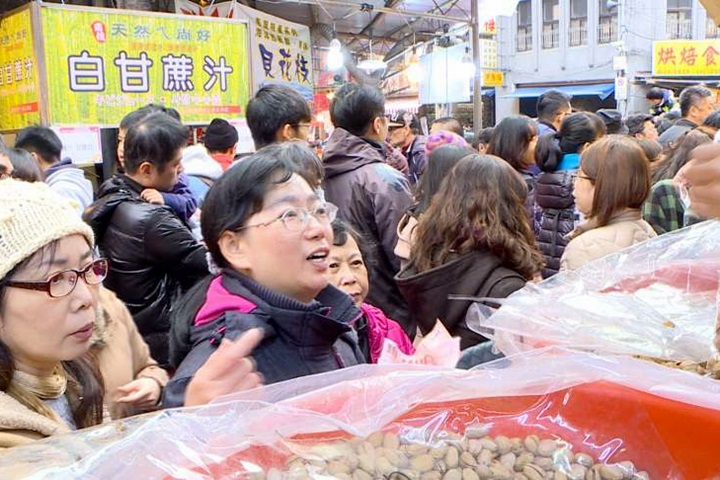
{"x": 550, "y": 103}
{"x": 42, "y": 141}
{"x": 451, "y": 124}
{"x": 173, "y": 112}
{"x": 299, "y": 153}
{"x": 713, "y": 120}
{"x": 155, "y": 138}
{"x": 136, "y": 115}
{"x": 576, "y": 130}
{"x": 239, "y": 194}
{"x": 691, "y": 96}
{"x": 355, "y": 107}
{"x": 636, "y": 122}
{"x": 655, "y": 93}
{"x": 272, "y": 107}
{"x": 24, "y": 165}
{"x": 132, "y": 118}
{"x": 484, "y": 137}
{"x": 343, "y": 230}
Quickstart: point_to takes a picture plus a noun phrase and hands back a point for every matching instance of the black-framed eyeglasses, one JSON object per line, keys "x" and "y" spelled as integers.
{"x": 302, "y": 124}
{"x": 63, "y": 283}
{"x": 296, "y": 219}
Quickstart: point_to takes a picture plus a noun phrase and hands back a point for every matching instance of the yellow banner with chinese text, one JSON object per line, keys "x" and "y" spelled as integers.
{"x": 493, "y": 78}
{"x": 19, "y": 90}
{"x": 693, "y": 58}
{"x": 102, "y": 65}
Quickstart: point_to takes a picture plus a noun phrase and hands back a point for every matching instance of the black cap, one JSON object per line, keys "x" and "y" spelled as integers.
{"x": 220, "y": 135}
{"x": 613, "y": 121}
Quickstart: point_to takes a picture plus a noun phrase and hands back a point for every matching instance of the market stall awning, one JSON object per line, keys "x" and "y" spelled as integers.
{"x": 602, "y": 90}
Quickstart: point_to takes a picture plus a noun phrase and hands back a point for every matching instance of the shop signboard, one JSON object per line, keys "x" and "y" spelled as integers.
{"x": 19, "y": 87}
{"x": 689, "y": 58}
{"x": 81, "y": 144}
{"x": 101, "y": 64}
{"x": 280, "y": 50}
{"x": 493, "y": 78}
{"x": 442, "y": 81}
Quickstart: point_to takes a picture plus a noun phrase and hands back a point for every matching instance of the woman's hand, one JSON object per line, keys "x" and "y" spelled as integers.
{"x": 229, "y": 369}
{"x": 141, "y": 393}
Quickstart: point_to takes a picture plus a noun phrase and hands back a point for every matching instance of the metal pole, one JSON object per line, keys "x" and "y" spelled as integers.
{"x": 622, "y": 104}
{"x": 477, "y": 80}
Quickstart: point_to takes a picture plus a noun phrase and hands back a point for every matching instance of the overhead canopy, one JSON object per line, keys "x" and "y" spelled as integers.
{"x": 602, "y": 90}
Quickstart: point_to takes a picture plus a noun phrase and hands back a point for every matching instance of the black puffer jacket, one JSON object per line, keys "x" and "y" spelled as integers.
{"x": 372, "y": 196}
{"x": 553, "y": 194}
{"x": 153, "y": 257}
{"x": 298, "y": 339}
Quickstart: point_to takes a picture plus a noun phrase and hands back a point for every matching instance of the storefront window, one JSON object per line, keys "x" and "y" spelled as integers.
{"x": 608, "y": 22}
{"x": 679, "y": 19}
{"x": 711, "y": 30}
{"x": 551, "y": 24}
{"x": 524, "y": 26}
{"x": 578, "y": 22}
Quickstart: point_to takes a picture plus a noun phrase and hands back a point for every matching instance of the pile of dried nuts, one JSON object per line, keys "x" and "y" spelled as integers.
{"x": 710, "y": 368}
{"x": 474, "y": 456}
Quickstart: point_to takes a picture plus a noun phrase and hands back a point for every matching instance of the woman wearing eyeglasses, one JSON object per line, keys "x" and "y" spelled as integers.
{"x": 610, "y": 188}
{"x": 270, "y": 236}
{"x": 51, "y": 307}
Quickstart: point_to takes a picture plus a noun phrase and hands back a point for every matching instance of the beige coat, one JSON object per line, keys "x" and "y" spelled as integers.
{"x": 20, "y": 425}
{"x": 122, "y": 356}
{"x": 590, "y": 243}
{"x": 121, "y": 352}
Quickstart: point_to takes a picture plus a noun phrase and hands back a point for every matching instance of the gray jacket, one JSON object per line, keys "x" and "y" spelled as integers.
{"x": 69, "y": 182}
{"x": 672, "y": 134}
{"x": 371, "y": 196}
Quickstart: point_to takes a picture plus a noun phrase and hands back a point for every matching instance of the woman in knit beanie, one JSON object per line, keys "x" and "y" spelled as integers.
{"x": 49, "y": 287}
{"x": 443, "y": 137}
{"x": 49, "y": 282}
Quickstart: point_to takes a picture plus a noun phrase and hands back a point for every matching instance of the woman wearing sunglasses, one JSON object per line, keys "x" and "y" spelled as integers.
{"x": 270, "y": 236}
{"x": 49, "y": 309}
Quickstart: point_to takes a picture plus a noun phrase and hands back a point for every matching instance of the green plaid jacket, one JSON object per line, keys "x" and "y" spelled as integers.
{"x": 664, "y": 210}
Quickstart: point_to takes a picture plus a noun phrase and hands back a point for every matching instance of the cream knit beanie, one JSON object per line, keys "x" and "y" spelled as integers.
{"x": 32, "y": 216}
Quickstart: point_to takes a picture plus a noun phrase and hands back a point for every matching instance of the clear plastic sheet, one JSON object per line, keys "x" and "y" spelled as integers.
{"x": 656, "y": 299}
{"x": 599, "y": 406}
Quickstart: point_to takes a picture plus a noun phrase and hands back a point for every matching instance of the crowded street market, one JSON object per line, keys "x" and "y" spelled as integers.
{"x": 360, "y": 240}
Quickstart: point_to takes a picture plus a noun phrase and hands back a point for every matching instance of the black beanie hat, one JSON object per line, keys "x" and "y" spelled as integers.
{"x": 220, "y": 135}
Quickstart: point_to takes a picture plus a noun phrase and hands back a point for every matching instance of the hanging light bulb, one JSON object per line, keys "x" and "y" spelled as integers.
{"x": 414, "y": 70}
{"x": 371, "y": 64}
{"x": 467, "y": 64}
{"x": 335, "y": 60}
